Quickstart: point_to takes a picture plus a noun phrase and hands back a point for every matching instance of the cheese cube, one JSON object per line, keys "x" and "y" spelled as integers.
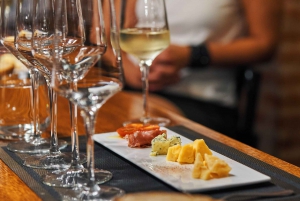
{"x": 217, "y": 166}
{"x": 206, "y": 174}
{"x": 210, "y": 160}
{"x": 198, "y": 166}
{"x": 160, "y": 144}
{"x": 186, "y": 154}
{"x": 173, "y": 153}
{"x": 174, "y": 140}
{"x": 201, "y": 147}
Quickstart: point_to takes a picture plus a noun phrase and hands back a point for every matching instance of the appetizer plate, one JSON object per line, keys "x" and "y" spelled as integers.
{"x": 175, "y": 174}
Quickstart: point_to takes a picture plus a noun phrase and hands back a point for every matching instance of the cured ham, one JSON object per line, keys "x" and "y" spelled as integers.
{"x": 139, "y": 135}
{"x": 143, "y": 138}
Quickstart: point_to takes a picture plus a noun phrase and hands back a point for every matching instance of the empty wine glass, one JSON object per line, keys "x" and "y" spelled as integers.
{"x": 8, "y": 32}
{"x": 79, "y": 43}
{"x": 22, "y": 41}
{"x": 98, "y": 83}
{"x": 144, "y": 36}
{"x": 42, "y": 42}
{"x": 8, "y": 16}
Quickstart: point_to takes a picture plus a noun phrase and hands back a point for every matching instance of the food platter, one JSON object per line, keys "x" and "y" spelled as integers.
{"x": 179, "y": 175}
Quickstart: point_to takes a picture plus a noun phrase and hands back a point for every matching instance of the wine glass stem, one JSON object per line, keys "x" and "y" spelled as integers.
{"x": 144, "y": 68}
{"x": 34, "y": 77}
{"x": 89, "y": 122}
{"x": 74, "y": 135}
{"x": 54, "y": 149}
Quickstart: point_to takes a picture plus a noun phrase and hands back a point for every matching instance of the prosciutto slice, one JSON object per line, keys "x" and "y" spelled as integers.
{"x": 143, "y": 138}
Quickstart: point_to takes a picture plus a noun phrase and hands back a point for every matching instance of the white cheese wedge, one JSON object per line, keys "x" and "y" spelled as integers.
{"x": 160, "y": 144}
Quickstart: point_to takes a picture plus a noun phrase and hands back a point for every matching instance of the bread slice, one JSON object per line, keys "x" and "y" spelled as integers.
{"x": 7, "y": 63}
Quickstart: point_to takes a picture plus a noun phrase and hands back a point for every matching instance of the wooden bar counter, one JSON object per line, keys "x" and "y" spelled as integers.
{"x": 124, "y": 106}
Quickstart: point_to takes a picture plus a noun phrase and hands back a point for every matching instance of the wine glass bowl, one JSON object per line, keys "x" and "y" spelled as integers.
{"x": 144, "y": 37}
{"x": 144, "y": 43}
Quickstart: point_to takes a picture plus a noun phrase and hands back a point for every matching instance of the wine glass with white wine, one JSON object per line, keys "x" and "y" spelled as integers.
{"x": 145, "y": 35}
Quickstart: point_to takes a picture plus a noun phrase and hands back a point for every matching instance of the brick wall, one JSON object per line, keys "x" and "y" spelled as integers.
{"x": 278, "y": 119}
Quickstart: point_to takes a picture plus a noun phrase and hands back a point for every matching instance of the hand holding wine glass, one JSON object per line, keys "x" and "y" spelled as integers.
{"x": 144, "y": 37}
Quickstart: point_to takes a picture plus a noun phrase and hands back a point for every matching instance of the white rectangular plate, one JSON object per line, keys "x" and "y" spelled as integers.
{"x": 177, "y": 175}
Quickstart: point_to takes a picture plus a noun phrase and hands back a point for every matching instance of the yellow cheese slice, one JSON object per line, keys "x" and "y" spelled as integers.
{"x": 173, "y": 153}
{"x": 187, "y": 154}
{"x": 201, "y": 147}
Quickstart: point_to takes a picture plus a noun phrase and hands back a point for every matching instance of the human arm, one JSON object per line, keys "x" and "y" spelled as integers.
{"x": 263, "y": 20}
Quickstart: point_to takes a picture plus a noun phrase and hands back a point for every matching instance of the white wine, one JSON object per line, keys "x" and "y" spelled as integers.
{"x": 145, "y": 44}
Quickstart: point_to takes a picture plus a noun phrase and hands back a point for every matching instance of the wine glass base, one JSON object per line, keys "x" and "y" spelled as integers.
{"x": 161, "y": 121}
{"x": 37, "y": 146}
{"x": 15, "y": 137}
{"x": 74, "y": 178}
{"x": 50, "y": 162}
{"x": 16, "y": 132}
{"x": 101, "y": 193}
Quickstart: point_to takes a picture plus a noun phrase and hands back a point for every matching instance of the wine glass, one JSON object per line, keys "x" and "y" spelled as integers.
{"x": 22, "y": 41}
{"x": 8, "y": 31}
{"x": 144, "y": 37}
{"x": 8, "y": 16}
{"x": 41, "y": 42}
{"x": 98, "y": 83}
{"x": 77, "y": 54}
